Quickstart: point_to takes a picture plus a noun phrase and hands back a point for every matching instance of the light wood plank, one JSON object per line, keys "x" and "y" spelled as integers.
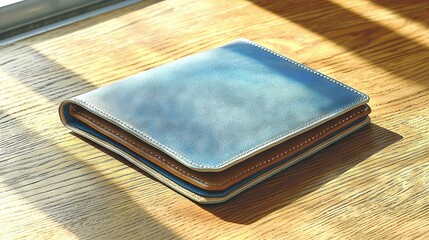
{"x": 373, "y": 184}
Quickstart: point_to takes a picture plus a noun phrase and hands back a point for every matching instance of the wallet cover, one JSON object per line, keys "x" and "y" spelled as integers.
{"x": 215, "y": 123}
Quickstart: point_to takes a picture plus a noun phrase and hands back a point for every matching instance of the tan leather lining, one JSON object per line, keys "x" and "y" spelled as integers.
{"x": 218, "y": 180}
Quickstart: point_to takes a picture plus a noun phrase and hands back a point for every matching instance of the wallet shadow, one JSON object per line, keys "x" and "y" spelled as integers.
{"x": 304, "y": 177}
{"x": 297, "y": 181}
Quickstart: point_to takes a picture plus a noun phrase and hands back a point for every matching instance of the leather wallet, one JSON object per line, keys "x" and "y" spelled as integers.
{"x": 216, "y": 123}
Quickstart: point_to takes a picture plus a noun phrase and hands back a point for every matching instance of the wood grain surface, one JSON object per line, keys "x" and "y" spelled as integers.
{"x": 371, "y": 185}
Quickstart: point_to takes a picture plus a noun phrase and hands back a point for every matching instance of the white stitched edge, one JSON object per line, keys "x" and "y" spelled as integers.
{"x": 308, "y": 123}
{"x": 182, "y": 155}
{"x": 302, "y": 66}
{"x": 166, "y": 162}
{"x": 211, "y": 200}
{"x": 295, "y": 147}
{"x": 145, "y": 136}
{"x": 147, "y": 151}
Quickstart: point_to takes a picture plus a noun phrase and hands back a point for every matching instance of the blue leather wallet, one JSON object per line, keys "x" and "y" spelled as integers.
{"x": 216, "y": 123}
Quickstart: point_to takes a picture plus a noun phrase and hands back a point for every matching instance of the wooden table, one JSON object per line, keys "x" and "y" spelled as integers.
{"x": 371, "y": 185}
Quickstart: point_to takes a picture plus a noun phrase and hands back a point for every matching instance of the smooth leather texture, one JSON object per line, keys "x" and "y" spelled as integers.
{"x": 217, "y": 108}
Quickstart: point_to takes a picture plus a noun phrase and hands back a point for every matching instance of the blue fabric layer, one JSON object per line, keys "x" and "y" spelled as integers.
{"x": 202, "y": 192}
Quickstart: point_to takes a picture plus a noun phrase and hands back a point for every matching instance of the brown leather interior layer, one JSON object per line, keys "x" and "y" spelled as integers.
{"x": 224, "y": 179}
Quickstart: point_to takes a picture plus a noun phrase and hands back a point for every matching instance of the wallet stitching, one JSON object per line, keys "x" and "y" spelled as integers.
{"x": 137, "y": 131}
{"x": 149, "y": 152}
{"x": 183, "y": 156}
{"x": 295, "y": 147}
{"x": 302, "y": 66}
{"x": 167, "y": 163}
{"x": 308, "y": 123}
